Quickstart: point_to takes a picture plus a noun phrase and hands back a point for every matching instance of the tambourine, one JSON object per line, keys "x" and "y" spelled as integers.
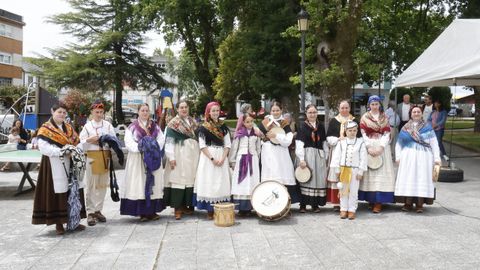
{"x": 302, "y": 175}
{"x": 276, "y": 131}
{"x": 374, "y": 162}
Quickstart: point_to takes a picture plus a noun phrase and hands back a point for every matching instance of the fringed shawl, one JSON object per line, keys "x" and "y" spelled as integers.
{"x": 179, "y": 130}
{"x": 139, "y": 131}
{"x": 213, "y": 133}
{"x": 60, "y": 137}
{"x": 415, "y": 134}
{"x": 373, "y": 127}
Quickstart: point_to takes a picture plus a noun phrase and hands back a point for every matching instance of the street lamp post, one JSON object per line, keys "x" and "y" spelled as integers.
{"x": 302, "y": 18}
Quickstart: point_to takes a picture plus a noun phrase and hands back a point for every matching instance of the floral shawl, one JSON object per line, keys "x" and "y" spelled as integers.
{"x": 411, "y": 133}
{"x": 179, "y": 130}
{"x": 60, "y": 137}
{"x": 213, "y": 133}
{"x": 139, "y": 131}
{"x": 373, "y": 127}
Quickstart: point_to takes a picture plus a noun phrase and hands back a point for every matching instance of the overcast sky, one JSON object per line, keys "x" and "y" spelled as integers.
{"x": 38, "y": 34}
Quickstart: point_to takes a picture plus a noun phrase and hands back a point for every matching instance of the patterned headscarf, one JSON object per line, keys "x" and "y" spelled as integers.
{"x": 208, "y": 108}
{"x": 374, "y": 98}
{"x": 97, "y": 105}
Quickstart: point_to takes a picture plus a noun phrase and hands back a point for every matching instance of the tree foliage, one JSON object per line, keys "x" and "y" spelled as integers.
{"x": 9, "y": 94}
{"x": 200, "y": 25}
{"x": 367, "y": 41}
{"x": 107, "y": 51}
{"x": 256, "y": 59}
{"x": 442, "y": 94}
{"x": 471, "y": 9}
{"x": 415, "y": 94}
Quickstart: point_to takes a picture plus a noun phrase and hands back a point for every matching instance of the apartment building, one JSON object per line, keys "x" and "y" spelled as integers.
{"x": 11, "y": 48}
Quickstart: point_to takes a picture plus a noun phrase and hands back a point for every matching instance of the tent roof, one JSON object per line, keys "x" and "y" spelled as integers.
{"x": 454, "y": 54}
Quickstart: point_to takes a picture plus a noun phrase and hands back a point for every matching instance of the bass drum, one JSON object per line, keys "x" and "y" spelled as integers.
{"x": 271, "y": 200}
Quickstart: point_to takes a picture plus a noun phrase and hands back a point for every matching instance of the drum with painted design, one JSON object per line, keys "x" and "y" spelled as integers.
{"x": 271, "y": 200}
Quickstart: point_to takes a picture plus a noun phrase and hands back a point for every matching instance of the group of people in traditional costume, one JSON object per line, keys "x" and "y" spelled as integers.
{"x": 203, "y": 166}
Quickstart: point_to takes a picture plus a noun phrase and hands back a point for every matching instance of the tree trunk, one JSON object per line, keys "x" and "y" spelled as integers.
{"x": 342, "y": 47}
{"x": 476, "y": 91}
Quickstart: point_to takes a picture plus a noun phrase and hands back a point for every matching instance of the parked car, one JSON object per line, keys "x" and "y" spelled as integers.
{"x": 129, "y": 113}
{"x": 455, "y": 111}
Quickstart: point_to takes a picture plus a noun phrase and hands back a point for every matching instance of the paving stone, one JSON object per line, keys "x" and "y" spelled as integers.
{"x": 445, "y": 236}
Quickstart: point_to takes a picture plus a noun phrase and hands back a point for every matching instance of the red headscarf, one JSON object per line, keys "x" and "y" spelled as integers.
{"x": 208, "y": 108}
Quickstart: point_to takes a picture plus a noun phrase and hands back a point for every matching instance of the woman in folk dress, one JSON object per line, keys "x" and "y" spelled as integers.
{"x": 212, "y": 181}
{"x": 417, "y": 152}
{"x": 182, "y": 152}
{"x": 140, "y": 197}
{"x": 378, "y": 184}
{"x": 311, "y": 150}
{"x": 50, "y": 204}
{"x": 276, "y": 162}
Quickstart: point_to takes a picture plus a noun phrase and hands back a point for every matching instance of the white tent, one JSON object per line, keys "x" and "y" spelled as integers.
{"x": 455, "y": 54}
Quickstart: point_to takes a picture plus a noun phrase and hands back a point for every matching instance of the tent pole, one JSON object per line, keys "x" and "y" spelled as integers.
{"x": 453, "y": 120}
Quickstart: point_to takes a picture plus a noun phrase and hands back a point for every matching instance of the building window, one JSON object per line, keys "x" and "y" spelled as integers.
{"x": 29, "y": 80}
{"x": 5, "y": 81}
{"x": 5, "y": 58}
{"x": 6, "y": 30}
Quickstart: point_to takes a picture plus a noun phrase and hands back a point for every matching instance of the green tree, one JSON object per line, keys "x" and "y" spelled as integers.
{"x": 188, "y": 83}
{"x": 107, "y": 52}
{"x": 9, "y": 94}
{"x": 256, "y": 59}
{"x": 367, "y": 41}
{"x": 442, "y": 94}
{"x": 471, "y": 9}
{"x": 415, "y": 94}
{"x": 200, "y": 25}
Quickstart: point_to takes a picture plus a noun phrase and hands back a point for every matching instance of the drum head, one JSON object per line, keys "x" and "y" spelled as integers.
{"x": 270, "y": 198}
{"x": 302, "y": 175}
{"x": 375, "y": 162}
{"x": 276, "y": 130}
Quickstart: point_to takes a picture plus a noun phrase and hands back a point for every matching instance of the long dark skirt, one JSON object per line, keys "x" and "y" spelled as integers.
{"x": 50, "y": 207}
{"x": 177, "y": 197}
{"x": 416, "y": 200}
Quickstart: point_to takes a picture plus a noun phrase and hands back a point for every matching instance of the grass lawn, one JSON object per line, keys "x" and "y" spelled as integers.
{"x": 232, "y": 123}
{"x": 468, "y": 139}
{"x": 459, "y": 124}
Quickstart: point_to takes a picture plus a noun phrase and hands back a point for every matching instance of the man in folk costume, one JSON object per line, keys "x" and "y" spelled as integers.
{"x": 98, "y": 159}
{"x": 336, "y": 133}
{"x": 349, "y": 162}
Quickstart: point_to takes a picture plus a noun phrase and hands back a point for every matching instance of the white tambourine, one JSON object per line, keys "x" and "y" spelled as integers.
{"x": 276, "y": 130}
{"x": 302, "y": 175}
{"x": 375, "y": 162}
